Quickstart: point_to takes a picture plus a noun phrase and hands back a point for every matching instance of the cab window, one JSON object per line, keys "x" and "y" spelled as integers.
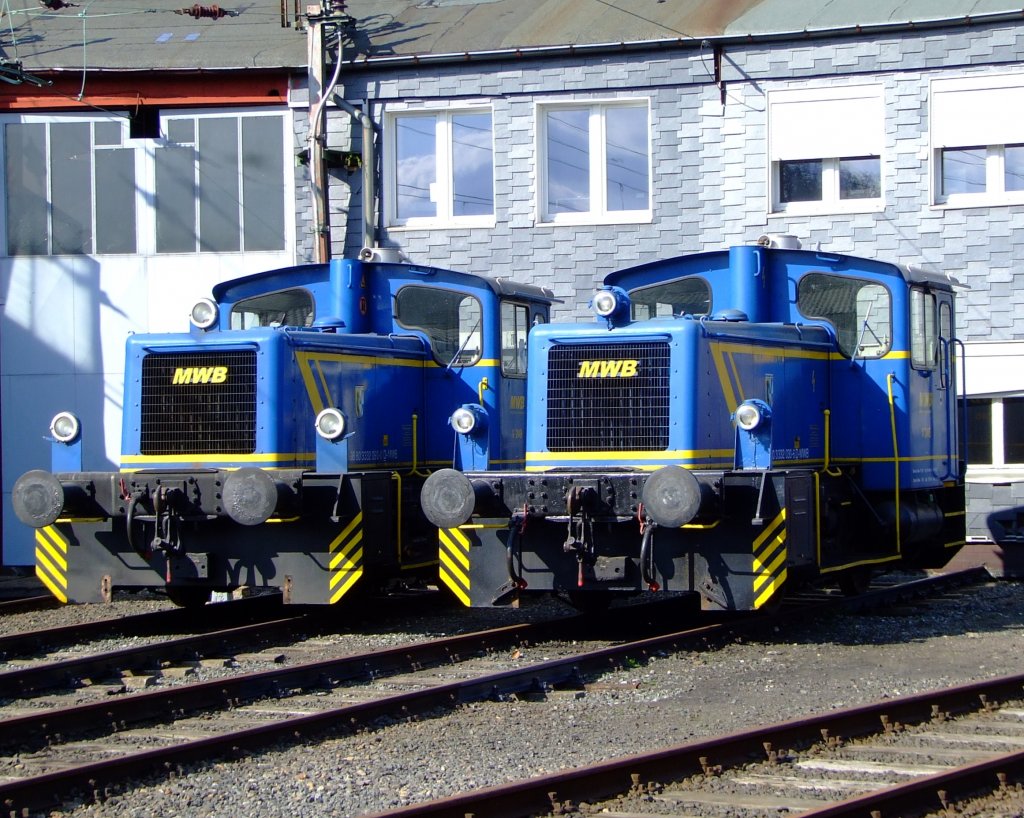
{"x": 859, "y": 312}
{"x": 684, "y": 296}
{"x": 924, "y": 343}
{"x": 284, "y": 308}
{"x": 449, "y": 319}
{"x": 515, "y": 327}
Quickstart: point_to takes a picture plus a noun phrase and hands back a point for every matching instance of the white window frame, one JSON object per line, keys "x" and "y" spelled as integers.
{"x": 976, "y": 113}
{"x": 442, "y": 193}
{"x": 994, "y": 370}
{"x": 998, "y": 470}
{"x": 145, "y": 173}
{"x": 598, "y": 212}
{"x": 148, "y": 224}
{"x": 792, "y": 113}
{"x": 119, "y": 117}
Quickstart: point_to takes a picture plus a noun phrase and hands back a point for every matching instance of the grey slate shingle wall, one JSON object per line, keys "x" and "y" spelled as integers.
{"x": 710, "y": 171}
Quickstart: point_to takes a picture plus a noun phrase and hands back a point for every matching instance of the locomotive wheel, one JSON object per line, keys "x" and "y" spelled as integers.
{"x": 188, "y": 596}
{"x": 854, "y": 581}
{"x": 590, "y": 602}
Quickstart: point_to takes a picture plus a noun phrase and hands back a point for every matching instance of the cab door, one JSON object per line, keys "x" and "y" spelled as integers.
{"x": 516, "y": 319}
{"x": 947, "y": 386}
{"x": 932, "y": 456}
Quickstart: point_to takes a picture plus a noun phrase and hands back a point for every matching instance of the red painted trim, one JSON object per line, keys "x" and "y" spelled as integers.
{"x": 132, "y": 90}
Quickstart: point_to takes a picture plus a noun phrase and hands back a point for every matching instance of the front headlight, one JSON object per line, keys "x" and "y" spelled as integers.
{"x": 751, "y": 414}
{"x": 463, "y": 420}
{"x": 330, "y": 424}
{"x": 204, "y": 313}
{"x": 64, "y": 427}
{"x": 605, "y": 303}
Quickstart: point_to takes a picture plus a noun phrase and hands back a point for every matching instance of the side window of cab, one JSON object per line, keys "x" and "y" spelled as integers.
{"x": 515, "y": 328}
{"x": 924, "y": 333}
{"x": 451, "y": 320}
{"x": 859, "y": 312}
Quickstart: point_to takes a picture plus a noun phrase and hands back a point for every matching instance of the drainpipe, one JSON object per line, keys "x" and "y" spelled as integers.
{"x": 369, "y": 171}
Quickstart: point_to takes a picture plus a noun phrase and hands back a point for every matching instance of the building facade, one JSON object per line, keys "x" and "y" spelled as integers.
{"x": 558, "y": 164}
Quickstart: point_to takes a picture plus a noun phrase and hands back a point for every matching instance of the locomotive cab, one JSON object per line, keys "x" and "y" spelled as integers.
{"x": 282, "y": 442}
{"x": 734, "y": 424}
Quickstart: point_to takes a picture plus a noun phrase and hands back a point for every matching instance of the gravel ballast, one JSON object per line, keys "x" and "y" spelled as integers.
{"x": 836, "y": 662}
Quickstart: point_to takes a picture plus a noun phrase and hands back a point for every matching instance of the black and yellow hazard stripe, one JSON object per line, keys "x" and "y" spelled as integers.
{"x": 52, "y": 561}
{"x": 770, "y": 560}
{"x": 453, "y": 552}
{"x": 346, "y": 552}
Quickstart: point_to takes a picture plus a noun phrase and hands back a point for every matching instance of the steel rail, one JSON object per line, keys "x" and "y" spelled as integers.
{"x": 165, "y": 621}
{"x": 51, "y": 726}
{"x": 42, "y": 791}
{"x": 932, "y": 793}
{"x": 22, "y": 604}
{"x": 606, "y": 779}
{"x": 26, "y": 681}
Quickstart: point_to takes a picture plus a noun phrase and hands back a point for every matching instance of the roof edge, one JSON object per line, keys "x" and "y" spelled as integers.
{"x": 539, "y": 52}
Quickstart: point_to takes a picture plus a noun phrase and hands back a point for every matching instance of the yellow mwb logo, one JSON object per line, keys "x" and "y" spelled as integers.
{"x": 608, "y": 369}
{"x": 200, "y": 374}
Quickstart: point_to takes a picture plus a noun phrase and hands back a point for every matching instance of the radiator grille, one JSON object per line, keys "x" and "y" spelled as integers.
{"x": 199, "y": 403}
{"x": 608, "y": 397}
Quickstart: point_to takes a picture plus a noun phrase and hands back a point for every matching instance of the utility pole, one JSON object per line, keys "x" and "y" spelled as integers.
{"x": 327, "y": 24}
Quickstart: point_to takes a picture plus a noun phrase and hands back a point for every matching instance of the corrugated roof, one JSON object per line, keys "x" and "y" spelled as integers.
{"x": 140, "y": 34}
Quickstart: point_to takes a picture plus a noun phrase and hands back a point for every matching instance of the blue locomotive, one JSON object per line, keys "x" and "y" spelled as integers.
{"x": 283, "y": 441}
{"x": 734, "y": 424}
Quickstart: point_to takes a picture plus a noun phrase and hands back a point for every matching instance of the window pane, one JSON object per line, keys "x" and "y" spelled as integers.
{"x": 472, "y": 165}
{"x": 859, "y": 312}
{"x": 450, "y": 320}
{"x": 108, "y": 133}
{"x": 568, "y": 161}
{"x": 979, "y": 431}
{"x": 626, "y": 152}
{"x": 71, "y": 187}
{"x": 1014, "y": 167}
{"x": 800, "y": 180}
{"x": 963, "y": 171}
{"x": 1013, "y": 431}
{"x": 219, "y": 217}
{"x": 115, "y": 206}
{"x": 686, "y": 296}
{"x": 182, "y": 131}
{"x": 515, "y": 324}
{"x": 860, "y": 178}
{"x": 175, "y": 200}
{"x": 25, "y": 177}
{"x": 262, "y": 183}
{"x": 923, "y": 344}
{"x": 285, "y": 308}
{"x": 416, "y": 146}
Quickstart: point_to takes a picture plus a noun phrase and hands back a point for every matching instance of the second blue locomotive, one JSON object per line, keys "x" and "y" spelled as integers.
{"x": 736, "y": 423}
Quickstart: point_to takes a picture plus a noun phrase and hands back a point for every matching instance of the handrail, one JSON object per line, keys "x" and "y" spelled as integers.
{"x": 895, "y": 453}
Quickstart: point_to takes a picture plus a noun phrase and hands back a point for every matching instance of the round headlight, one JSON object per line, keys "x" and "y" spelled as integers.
{"x": 463, "y": 420}
{"x": 204, "y": 313}
{"x": 64, "y": 427}
{"x": 330, "y": 424}
{"x": 748, "y": 416}
{"x": 605, "y": 303}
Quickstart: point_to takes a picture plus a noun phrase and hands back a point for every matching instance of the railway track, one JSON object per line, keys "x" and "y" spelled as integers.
{"x": 916, "y": 755}
{"x": 97, "y": 746}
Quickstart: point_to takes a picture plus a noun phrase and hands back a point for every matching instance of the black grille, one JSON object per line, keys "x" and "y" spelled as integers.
{"x": 199, "y": 403}
{"x": 608, "y": 397}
